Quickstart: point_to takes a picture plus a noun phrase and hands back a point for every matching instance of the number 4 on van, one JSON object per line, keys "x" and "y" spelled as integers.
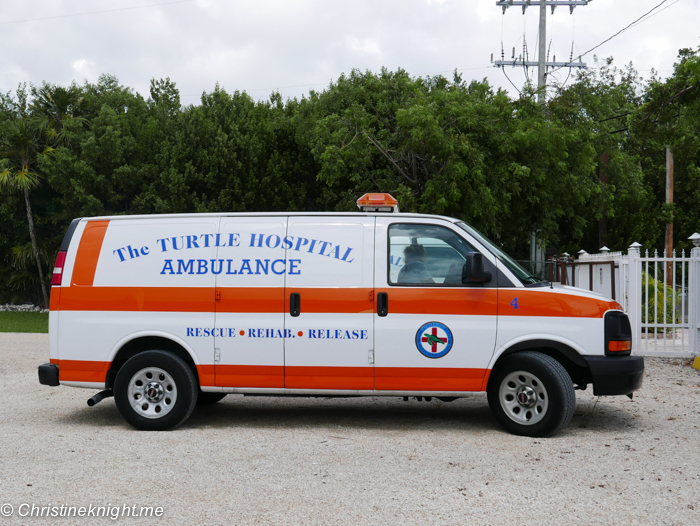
{"x": 422, "y": 290}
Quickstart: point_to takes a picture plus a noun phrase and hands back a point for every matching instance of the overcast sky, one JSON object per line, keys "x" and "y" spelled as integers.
{"x": 297, "y": 45}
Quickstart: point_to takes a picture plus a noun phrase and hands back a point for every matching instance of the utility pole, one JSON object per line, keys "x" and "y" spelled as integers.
{"x": 542, "y": 58}
{"x": 669, "y": 226}
{"x": 542, "y": 63}
{"x": 603, "y": 222}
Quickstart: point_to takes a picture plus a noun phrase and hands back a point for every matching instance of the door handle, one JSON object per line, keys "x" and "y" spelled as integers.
{"x": 382, "y": 304}
{"x": 294, "y": 304}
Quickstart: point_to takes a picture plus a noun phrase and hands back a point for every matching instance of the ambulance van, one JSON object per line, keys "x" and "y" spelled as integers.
{"x": 164, "y": 312}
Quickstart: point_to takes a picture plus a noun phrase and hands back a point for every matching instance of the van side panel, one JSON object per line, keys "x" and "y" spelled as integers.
{"x": 551, "y": 314}
{"x": 132, "y": 278}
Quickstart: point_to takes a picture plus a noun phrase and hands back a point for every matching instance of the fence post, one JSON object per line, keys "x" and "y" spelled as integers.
{"x": 694, "y": 296}
{"x": 634, "y": 295}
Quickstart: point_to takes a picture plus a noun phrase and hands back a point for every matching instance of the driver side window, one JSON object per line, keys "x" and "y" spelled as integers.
{"x": 426, "y": 255}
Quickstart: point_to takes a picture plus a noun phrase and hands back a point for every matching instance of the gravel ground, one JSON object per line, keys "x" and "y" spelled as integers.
{"x": 382, "y": 461}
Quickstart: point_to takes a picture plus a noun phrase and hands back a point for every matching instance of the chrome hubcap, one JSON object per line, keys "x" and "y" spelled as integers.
{"x": 523, "y": 398}
{"x": 526, "y": 396}
{"x": 152, "y": 392}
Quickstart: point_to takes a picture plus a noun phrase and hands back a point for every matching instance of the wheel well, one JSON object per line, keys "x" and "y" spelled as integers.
{"x": 571, "y": 360}
{"x": 148, "y": 343}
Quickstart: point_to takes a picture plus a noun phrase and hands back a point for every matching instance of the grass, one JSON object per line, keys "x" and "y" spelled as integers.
{"x": 24, "y": 322}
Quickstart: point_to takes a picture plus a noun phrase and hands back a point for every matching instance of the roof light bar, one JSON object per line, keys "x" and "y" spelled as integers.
{"x": 378, "y": 203}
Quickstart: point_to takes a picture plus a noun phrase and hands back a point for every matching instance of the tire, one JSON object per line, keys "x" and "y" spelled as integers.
{"x": 155, "y": 391}
{"x": 209, "y": 398}
{"x": 531, "y": 394}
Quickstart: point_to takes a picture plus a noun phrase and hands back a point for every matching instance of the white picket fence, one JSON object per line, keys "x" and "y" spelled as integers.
{"x": 660, "y": 293}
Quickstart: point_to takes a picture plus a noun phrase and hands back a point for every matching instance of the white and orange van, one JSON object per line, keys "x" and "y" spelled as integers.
{"x": 163, "y": 312}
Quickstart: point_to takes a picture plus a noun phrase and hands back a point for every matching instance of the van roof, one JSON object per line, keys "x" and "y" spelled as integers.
{"x": 274, "y": 214}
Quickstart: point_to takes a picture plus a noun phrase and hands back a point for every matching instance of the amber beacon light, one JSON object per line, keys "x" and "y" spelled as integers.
{"x": 378, "y": 203}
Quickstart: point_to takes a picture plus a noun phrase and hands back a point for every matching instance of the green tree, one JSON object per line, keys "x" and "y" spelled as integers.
{"x": 22, "y": 144}
{"x": 59, "y": 107}
{"x": 603, "y": 100}
{"x": 669, "y": 118}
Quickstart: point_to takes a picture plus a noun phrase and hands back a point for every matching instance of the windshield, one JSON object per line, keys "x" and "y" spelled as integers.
{"x": 523, "y": 275}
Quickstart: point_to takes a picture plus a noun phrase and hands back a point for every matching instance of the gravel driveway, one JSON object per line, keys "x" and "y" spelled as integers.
{"x": 258, "y": 460}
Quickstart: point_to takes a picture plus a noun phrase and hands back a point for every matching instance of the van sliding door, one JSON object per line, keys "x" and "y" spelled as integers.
{"x": 250, "y": 270}
{"x": 329, "y": 300}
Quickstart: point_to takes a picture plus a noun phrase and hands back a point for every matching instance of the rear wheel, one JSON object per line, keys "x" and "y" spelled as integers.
{"x": 531, "y": 394}
{"x": 155, "y": 391}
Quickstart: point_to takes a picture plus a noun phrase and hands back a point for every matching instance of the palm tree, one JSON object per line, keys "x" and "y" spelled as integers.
{"x": 21, "y": 145}
{"x": 58, "y": 105}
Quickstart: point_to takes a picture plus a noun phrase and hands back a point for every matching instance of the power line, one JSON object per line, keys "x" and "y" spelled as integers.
{"x": 658, "y": 12}
{"x": 326, "y": 83}
{"x": 98, "y": 12}
{"x": 638, "y": 20}
{"x": 506, "y": 74}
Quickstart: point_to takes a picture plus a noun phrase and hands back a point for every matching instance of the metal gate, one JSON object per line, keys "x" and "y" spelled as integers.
{"x": 663, "y": 293}
{"x": 660, "y": 293}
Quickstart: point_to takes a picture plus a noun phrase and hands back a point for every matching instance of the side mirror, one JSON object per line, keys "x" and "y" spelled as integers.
{"x": 473, "y": 270}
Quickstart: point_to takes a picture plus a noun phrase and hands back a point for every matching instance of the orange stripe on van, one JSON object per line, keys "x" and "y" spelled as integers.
{"x": 550, "y": 304}
{"x": 207, "y": 375}
{"x": 250, "y": 299}
{"x": 55, "y": 298}
{"x": 435, "y": 301}
{"x": 201, "y": 299}
{"x": 135, "y": 299}
{"x": 335, "y": 300}
{"x": 428, "y": 378}
{"x": 249, "y": 376}
{"x": 302, "y": 377}
{"x": 486, "y": 380}
{"x": 82, "y": 371}
{"x": 89, "y": 252}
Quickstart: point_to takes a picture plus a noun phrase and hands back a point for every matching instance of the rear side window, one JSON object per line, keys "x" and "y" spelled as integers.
{"x": 426, "y": 255}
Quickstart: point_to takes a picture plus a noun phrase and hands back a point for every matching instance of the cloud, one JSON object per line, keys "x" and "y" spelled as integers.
{"x": 266, "y": 43}
{"x": 85, "y": 69}
{"x": 367, "y": 45}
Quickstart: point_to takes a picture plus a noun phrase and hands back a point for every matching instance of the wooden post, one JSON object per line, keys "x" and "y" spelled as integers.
{"x": 669, "y": 226}
{"x": 603, "y": 222}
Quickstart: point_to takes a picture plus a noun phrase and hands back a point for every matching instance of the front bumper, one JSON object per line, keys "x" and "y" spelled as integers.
{"x": 615, "y": 375}
{"x": 48, "y": 374}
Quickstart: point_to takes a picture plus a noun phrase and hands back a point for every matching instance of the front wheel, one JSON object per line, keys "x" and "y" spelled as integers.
{"x": 531, "y": 394}
{"x": 155, "y": 391}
